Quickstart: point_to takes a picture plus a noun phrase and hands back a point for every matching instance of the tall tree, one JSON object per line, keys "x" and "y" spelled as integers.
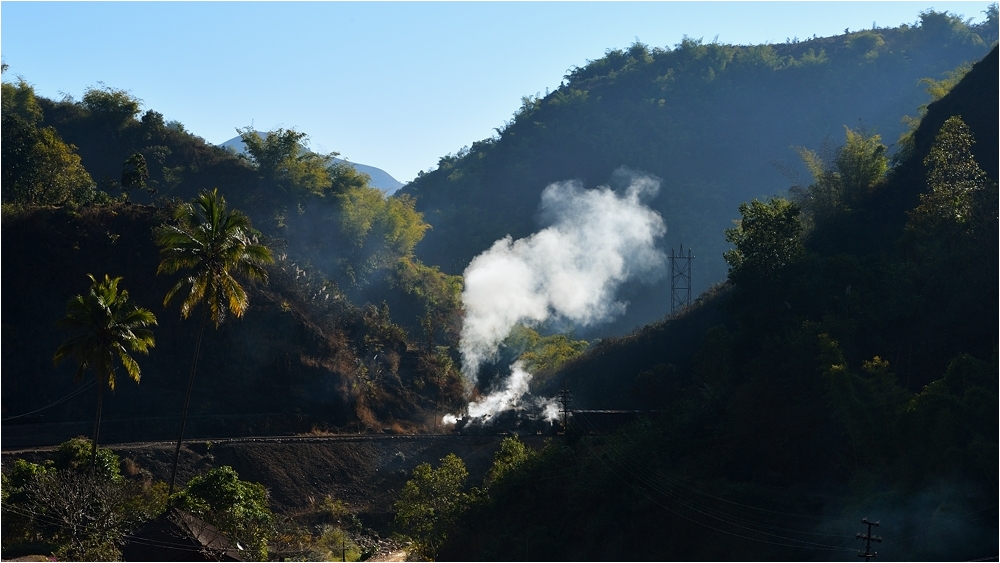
{"x": 215, "y": 244}
{"x": 114, "y": 107}
{"x": 39, "y": 168}
{"x": 767, "y": 240}
{"x": 431, "y": 502}
{"x": 289, "y": 173}
{"x": 271, "y": 154}
{"x": 134, "y": 174}
{"x": 110, "y": 326}
{"x": 953, "y": 176}
{"x": 844, "y": 179}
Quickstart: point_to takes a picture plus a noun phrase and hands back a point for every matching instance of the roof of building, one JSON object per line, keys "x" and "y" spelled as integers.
{"x": 179, "y": 536}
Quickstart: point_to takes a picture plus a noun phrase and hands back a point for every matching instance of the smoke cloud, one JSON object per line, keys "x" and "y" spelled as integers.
{"x": 569, "y": 271}
{"x": 514, "y": 393}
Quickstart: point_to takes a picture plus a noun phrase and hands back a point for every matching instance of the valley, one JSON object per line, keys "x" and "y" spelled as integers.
{"x": 312, "y": 338}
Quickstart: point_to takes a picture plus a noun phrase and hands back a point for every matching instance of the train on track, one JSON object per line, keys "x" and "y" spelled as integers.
{"x": 524, "y": 422}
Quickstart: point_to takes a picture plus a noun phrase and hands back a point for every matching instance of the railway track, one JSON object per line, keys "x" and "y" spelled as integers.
{"x": 303, "y": 439}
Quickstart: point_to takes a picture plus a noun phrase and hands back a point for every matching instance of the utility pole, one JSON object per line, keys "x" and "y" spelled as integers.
{"x": 343, "y": 539}
{"x": 680, "y": 279}
{"x": 869, "y": 538}
{"x": 564, "y": 398}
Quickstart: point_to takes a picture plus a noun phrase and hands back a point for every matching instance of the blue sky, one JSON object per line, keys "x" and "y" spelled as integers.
{"x": 393, "y": 85}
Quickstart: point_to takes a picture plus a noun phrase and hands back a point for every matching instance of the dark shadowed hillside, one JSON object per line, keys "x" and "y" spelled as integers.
{"x": 301, "y": 358}
{"x": 846, "y": 376}
{"x": 871, "y": 232}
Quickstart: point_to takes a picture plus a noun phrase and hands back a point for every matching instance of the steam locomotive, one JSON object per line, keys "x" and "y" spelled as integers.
{"x": 524, "y": 422}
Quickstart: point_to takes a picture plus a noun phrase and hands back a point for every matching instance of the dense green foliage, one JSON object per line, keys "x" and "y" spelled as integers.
{"x": 288, "y": 174}
{"x": 77, "y": 511}
{"x": 39, "y": 168}
{"x": 767, "y": 242}
{"x": 713, "y": 121}
{"x": 544, "y": 354}
{"x": 71, "y": 509}
{"x": 238, "y": 508}
{"x": 134, "y": 174}
{"x": 430, "y": 504}
{"x": 848, "y": 178}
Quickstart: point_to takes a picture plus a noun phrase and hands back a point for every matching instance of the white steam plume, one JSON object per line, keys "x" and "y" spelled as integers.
{"x": 596, "y": 239}
{"x": 513, "y": 393}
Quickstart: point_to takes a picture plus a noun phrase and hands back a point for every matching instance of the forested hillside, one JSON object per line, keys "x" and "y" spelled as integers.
{"x": 320, "y": 210}
{"x": 312, "y": 349}
{"x": 302, "y": 357}
{"x": 717, "y": 123}
{"x": 828, "y": 381}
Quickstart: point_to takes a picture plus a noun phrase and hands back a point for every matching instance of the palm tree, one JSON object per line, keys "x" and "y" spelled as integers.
{"x": 110, "y": 326}
{"x": 214, "y": 244}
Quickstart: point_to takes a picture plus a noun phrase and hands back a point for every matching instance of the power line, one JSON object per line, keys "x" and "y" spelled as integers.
{"x": 83, "y": 388}
{"x": 821, "y": 547}
{"x": 565, "y": 397}
{"x": 868, "y": 538}
{"x": 706, "y": 511}
{"x": 617, "y": 456}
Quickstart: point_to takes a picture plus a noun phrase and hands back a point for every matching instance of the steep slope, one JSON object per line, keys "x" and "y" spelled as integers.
{"x": 859, "y": 382}
{"x": 321, "y": 212}
{"x": 717, "y": 123}
{"x": 604, "y": 375}
{"x": 302, "y": 357}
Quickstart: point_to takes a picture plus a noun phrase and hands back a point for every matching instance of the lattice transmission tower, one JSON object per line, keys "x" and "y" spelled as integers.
{"x": 680, "y": 279}
{"x": 565, "y": 398}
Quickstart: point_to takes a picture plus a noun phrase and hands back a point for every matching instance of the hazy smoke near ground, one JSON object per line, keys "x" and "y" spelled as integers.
{"x": 595, "y": 240}
{"x": 513, "y": 393}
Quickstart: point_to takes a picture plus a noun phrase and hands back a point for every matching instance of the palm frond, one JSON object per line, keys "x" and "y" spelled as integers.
{"x": 213, "y": 243}
{"x": 107, "y": 321}
{"x": 131, "y": 366}
{"x": 237, "y": 296}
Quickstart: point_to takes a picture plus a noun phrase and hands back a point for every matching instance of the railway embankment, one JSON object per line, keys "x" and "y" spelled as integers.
{"x": 364, "y": 471}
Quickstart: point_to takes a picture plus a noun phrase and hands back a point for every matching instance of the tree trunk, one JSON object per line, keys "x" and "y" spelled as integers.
{"x": 97, "y": 423}
{"x": 187, "y": 401}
